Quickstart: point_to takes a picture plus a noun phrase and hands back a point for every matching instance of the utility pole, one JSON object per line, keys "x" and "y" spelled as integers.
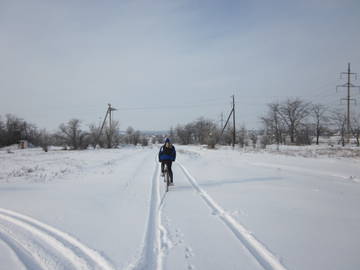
{"x": 232, "y": 112}
{"x": 110, "y": 109}
{"x": 348, "y": 85}
{"x": 108, "y": 112}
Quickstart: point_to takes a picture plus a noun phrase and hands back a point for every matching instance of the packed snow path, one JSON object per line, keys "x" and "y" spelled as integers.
{"x": 162, "y": 240}
{"x": 180, "y": 231}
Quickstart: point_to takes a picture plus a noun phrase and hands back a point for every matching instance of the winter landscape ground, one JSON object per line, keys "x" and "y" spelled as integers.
{"x": 229, "y": 209}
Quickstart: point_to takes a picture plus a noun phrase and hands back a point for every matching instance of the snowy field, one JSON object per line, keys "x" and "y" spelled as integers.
{"x": 107, "y": 209}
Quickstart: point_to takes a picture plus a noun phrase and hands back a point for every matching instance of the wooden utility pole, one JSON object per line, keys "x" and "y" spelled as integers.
{"x": 348, "y": 99}
{"x": 108, "y": 112}
{"x": 232, "y": 112}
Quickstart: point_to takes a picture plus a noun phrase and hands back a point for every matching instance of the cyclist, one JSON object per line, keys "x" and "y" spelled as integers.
{"x": 167, "y": 155}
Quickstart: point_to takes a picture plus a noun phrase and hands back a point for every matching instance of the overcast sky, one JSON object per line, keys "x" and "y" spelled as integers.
{"x": 163, "y": 63}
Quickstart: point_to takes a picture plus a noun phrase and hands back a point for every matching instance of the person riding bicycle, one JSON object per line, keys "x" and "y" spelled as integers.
{"x": 167, "y": 155}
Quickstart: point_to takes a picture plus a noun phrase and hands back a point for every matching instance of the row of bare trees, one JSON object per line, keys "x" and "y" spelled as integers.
{"x": 70, "y": 135}
{"x": 201, "y": 131}
{"x": 292, "y": 121}
{"x": 206, "y": 132}
{"x": 13, "y": 129}
{"x": 295, "y": 121}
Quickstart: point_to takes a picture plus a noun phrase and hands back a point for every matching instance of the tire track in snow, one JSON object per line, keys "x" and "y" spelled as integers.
{"x": 41, "y": 245}
{"x": 155, "y": 242}
{"x": 8, "y": 258}
{"x": 264, "y": 256}
{"x": 23, "y": 254}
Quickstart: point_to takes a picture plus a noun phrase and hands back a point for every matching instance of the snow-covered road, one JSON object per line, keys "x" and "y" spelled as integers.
{"x": 107, "y": 209}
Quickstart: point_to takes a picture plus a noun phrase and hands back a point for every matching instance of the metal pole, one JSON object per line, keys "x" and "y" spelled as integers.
{"x": 348, "y": 99}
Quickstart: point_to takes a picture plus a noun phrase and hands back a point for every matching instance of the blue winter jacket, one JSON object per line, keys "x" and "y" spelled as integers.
{"x": 167, "y": 154}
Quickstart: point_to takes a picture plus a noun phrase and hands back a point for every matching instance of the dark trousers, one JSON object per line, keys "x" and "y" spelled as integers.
{"x": 168, "y": 163}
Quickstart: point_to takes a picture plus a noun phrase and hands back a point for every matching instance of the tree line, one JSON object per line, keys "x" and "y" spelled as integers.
{"x": 292, "y": 121}
{"x": 70, "y": 135}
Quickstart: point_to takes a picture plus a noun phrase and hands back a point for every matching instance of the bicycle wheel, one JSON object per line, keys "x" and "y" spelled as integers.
{"x": 167, "y": 177}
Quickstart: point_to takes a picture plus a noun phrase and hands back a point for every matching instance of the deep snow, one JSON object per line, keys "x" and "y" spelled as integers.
{"x": 229, "y": 209}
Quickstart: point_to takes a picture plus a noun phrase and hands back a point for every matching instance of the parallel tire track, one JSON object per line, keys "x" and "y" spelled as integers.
{"x": 23, "y": 254}
{"x": 264, "y": 256}
{"x": 39, "y": 245}
{"x": 151, "y": 256}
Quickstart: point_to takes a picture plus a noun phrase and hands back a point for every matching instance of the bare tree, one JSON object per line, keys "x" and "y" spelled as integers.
{"x": 338, "y": 119}
{"x": 355, "y": 128}
{"x": 242, "y": 137}
{"x": 72, "y": 135}
{"x": 112, "y": 135}
{"x": 264, "y": 139}
{"x": 213, "y": 136}
{"x": 201, "y": 131}
{"x": 45, "y": 140}
{"x": 319, "y": 114}
{"x": 184, "y": 134}
{"x": 94, "y": 138}
{"x": 293, "y": 112}
{"x": 304, "y": 134}
{"x": 14, "y": 129}
{"x": 274, "y": 126}
{"x": 227, "y": 136}
{"x": 132, "y": 136}
{"x": 144, "y": 140}
{"x": 129, "y": 135}
{"x": 2, "y": 133}
{"x": 136, "y": 137}
{"x": 253, "y": 135}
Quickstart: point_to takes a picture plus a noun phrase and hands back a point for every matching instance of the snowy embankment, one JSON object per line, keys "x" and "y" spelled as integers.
{"x": 107, "y": 209}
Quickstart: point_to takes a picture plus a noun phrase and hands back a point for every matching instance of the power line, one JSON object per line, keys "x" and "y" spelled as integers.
{"x": 174, "y": 106}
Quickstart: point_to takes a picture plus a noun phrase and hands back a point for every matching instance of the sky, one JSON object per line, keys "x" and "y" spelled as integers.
{"x": 163, "y": 63}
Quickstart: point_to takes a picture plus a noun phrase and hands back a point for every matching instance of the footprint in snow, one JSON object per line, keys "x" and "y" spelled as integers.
{"x": 178, "y": 239}
{"x": 188, "y": 252}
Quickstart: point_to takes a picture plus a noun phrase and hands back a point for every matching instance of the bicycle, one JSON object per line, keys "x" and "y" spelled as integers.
{"x": 166, "y": 177}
